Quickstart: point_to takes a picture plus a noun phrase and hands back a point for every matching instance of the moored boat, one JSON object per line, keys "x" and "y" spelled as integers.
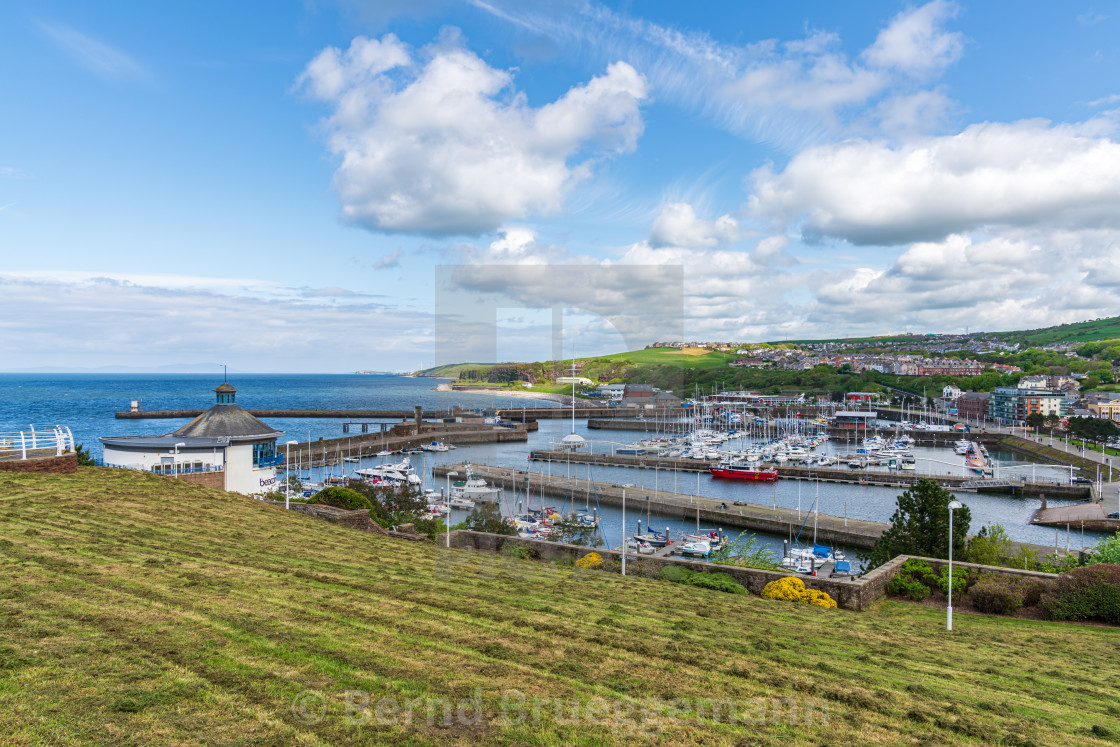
{"x": 743, "y": 472}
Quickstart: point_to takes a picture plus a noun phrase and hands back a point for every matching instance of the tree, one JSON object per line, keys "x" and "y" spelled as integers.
{"x": 990, "y": 546}
{"x": 1036, "y": 420}
{"x": 920, "y": 526}
{"x": 84, "y": 459}
{"x": 485, "y": 517}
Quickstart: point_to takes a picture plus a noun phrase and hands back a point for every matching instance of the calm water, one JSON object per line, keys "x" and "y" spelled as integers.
{"x": 86, "y": 404}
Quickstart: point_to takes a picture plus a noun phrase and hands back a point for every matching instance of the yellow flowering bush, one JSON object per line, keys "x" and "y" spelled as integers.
{"x": 819, "y": 598}
{"x": 792, "y": 589}
{"x": 590, "y": 560}
{"x": 789, "y": 589}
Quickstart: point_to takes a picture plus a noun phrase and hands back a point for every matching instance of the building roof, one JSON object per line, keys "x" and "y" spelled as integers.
{"x": 167, "y": 441}
{"x": 230, "y": 421}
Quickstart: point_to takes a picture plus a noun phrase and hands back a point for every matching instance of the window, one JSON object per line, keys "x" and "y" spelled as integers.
{"x": 265, "y": 455}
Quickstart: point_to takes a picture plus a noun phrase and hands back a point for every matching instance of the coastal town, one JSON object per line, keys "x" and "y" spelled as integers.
{"x": 586, "y": 373}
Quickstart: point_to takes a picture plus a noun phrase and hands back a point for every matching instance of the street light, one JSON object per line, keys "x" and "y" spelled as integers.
{"x": 175, "y": 461}
{"x": 287, "y": 471}
{"x": 953, "y": 506}
{"x": 449, "y": 476}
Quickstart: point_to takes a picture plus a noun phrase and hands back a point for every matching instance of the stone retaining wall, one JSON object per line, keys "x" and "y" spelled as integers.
{"x": 58, "y": 465}
{"x": 216, "y": 480}
{"x": 853, "y": 594}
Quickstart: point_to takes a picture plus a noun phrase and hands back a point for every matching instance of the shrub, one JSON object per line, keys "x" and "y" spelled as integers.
{"x": 713, "y": 580}
{"x": 998, "y": 595}
{"x": 962, "y": 579}
{"x": 914, "y": 579}
{"x": 792, "y": 589}
{"x": 1088, "y": 593}
{"x": 1106, "y": 551}
{"x": 342, "y": 498}
{"x": 789, "y": 589}
{"x": 590, "y": 560}
{"x": 520, "y": 551}
{"x": 1057, "y": 563}
{"x": 903, "y": 586}
{"x": 717, "y": 581}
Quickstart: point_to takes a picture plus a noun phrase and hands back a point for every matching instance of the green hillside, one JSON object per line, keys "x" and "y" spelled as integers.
{"x": 1098, "y": 329}
{"x": 1090, "y": 331}
{"x": 140, "y": 610}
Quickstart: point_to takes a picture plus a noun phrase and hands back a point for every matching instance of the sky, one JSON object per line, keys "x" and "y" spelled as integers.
{"x": 335, "y": 186}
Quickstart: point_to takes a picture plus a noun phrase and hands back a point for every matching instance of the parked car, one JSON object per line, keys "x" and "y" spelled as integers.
{"x": 1113, "y": 515}
{"x": 1081, "y": 481}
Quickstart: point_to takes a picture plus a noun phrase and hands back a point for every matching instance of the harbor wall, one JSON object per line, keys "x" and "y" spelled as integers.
{"x": 897, "y": 479}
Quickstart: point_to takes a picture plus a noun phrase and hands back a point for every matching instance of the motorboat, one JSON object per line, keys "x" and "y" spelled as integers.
{"x": 743, "y": 472}
{"x": 474, "y": 488}
{"x": 460, "y": 502}
{"x": 435, "y": 446}
{"x": 695, "y": 549}
{"x": 639, "y": 546}
{"x": 395, "y": 474}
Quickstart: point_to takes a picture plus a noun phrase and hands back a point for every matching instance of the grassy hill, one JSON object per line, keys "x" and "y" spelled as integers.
{"x": 689, "y": 358}
{"x": 136, "y": 609}
{"x": 1090, "y": 331}
{"x": 1098, "y": 329}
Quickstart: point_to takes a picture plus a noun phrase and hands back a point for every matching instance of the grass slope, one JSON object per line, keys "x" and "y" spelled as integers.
{"x": 1090, "y": 331}
{"x": 697, "y": 358}
{"x": 139, "y": 610}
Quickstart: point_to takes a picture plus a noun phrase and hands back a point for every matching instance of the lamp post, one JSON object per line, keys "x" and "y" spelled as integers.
{"x": 449, "y": 476}
{"x": 953, "y": 506}
{"x": 175, "y": 459}
{"x": 287, "y": 471}
{"x": 624, "y": 531}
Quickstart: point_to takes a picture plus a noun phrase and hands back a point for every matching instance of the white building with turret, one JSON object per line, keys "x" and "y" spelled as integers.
{"x": 224, "y": 439}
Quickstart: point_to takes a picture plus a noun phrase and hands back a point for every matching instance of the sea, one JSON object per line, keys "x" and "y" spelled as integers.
{"x": 86, "y": 403}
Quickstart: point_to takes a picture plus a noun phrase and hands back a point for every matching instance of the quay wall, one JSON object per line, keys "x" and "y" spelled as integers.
{"x": 825, "y": 474}
{"x": 372, "y": 414}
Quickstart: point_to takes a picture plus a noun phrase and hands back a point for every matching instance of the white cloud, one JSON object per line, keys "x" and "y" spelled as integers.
{"x": 789, "y": 93}
{"x": 911, "y": 114}
{"x": 1026, "y": 173}
{"x": 94, "y": 320}
{"x": 393, "y": 259}
{"x": 1112, "y": 98}
{"x": 95, "y": 55}
{"x": 916, "y": 42}
{"x": 678, "y": 225}
{"x": 446, "y": 146}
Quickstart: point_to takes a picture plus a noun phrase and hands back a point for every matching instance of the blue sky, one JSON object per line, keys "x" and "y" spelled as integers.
{"x": 272, "y": 185}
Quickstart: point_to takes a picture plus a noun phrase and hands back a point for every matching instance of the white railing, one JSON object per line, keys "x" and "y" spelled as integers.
{"x": 20, "y": 441}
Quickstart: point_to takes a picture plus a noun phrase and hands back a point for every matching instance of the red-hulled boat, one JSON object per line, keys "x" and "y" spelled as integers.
{"x": 744, "y": 472}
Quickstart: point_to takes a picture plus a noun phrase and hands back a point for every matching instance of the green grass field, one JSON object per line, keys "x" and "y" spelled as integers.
{"x": 693, "y": 358}
{"x": 140, "y": 610}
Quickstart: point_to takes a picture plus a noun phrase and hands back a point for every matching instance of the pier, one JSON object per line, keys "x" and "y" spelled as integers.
{"x": 351, "y": 414}
{"x": 896, "y": 479}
